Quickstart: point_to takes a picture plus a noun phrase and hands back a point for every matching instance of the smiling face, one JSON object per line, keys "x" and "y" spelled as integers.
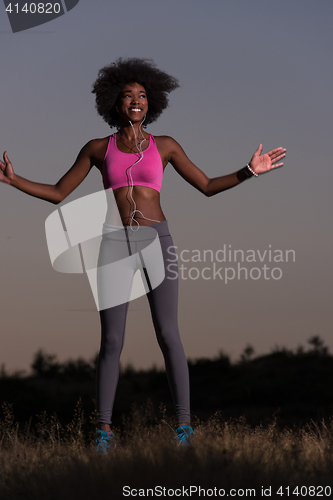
{"x": 132, "y": 103}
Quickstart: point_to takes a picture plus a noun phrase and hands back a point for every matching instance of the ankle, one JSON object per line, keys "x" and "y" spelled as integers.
{"x": 105, "y": 427}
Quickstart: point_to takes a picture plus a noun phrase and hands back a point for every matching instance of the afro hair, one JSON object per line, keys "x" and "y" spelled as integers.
{"x": 111, "y": 79}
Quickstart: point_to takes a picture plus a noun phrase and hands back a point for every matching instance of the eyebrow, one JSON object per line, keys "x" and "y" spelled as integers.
{"x": 127, "y": 91}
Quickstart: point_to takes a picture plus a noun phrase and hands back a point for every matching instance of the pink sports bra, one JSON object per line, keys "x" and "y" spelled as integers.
{"x": 117, "y": 171}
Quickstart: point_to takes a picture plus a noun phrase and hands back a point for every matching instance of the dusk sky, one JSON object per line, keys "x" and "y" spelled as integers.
{"x": 250, "y": 73}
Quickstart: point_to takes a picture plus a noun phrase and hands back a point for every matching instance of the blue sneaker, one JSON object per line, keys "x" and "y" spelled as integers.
{"x": 184, "y": 435}
{"x": 105, "y": 441}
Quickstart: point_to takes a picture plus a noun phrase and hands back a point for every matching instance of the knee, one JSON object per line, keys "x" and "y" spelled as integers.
{"x": 112, "y": 345}
{"x": 169, "y": 340}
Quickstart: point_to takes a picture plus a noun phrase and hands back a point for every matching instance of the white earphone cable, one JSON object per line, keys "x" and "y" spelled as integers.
{"x": 129, "y": 169}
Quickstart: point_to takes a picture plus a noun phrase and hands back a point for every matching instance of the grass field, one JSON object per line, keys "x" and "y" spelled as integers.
{"x": 227, "y": 458}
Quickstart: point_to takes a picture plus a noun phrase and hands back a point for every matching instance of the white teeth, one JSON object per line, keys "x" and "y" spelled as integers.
{"x": 135, "y": 109}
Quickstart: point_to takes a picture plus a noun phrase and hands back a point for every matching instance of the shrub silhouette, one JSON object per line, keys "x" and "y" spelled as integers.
{"x": 298, "y": 384}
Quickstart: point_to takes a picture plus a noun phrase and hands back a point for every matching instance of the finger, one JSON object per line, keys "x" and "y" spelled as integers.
{"x": 277, "y": 157}
{"x": 273, "y": 160}
{"x": 276, "y": 151}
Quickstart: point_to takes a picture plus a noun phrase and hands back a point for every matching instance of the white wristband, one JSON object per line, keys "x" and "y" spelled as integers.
{"x": 252, "y": 171}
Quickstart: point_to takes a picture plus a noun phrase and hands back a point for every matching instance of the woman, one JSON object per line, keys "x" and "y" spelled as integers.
{"x": 129, "y": 93}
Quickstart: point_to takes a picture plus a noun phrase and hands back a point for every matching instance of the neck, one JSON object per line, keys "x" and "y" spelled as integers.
{"x": 132, "y": 133}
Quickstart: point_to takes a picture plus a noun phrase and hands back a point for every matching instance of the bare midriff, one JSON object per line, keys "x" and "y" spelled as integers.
{"x": 147, "y": 201}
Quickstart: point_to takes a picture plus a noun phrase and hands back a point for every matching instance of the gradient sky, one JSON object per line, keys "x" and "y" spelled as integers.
{"x": 250, "y": 72}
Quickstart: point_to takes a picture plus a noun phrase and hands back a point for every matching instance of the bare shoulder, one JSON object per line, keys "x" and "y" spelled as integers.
{"x": 165, "y": 141}
{"x": 96, "y": 145}
{"x": 95, "y": 149}
{"x": 167, "y": 146}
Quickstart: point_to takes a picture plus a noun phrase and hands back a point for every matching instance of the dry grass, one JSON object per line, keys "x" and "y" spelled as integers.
{"x": 54, "y": 462}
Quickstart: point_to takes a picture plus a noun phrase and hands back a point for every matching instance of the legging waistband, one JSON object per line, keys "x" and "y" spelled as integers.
{"x": 161, "y": 228}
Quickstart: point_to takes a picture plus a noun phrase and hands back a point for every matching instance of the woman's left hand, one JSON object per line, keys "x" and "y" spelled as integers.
{"x": 263, "y": 163}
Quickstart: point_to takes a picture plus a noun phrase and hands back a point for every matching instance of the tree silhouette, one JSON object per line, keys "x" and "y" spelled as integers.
{"x": 318, "y": 346}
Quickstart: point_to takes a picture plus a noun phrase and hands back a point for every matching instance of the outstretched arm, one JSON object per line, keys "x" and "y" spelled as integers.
{"x": 52, "y": 193}
{"x": 191, "y": 173}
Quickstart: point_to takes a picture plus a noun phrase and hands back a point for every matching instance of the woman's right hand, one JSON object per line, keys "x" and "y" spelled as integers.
{"x": 68, "y": 182}
{"x": 6, "y": 170}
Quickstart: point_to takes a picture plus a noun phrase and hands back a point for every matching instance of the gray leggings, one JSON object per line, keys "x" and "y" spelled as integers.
{"x": 163, "y": 301}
